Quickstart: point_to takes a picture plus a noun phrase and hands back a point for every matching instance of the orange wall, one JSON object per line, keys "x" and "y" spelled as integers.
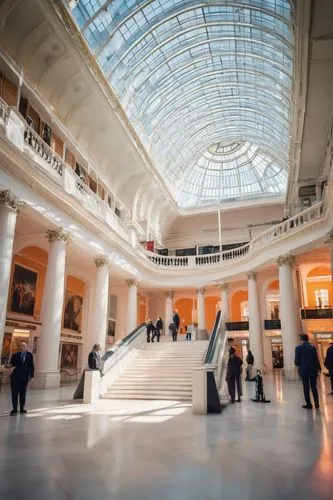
{"x": 210, "y": 307}
{"x": 274, "y": 286}
{"x": 35, "y": 259}
{"x": 184, "y": 307}
{"x": 236, "y": 300}
{"x": 75, "y": 285}
{"x": 141, "y": 313}
{"x": 311, "y": 287}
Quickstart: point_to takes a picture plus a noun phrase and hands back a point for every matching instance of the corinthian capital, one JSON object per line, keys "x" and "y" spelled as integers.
{"x": 329, "y": 238}
{"x": 223, "y": 286}
{"x": 201, "y": 290}
{"x": 169, "y": 294}
{"x": 101, "y": 261}
{"x": 59, "y": 234}
{"x": 252, "y": 275}
{"x": 9, "y": 200}
{"x": 131, "y": 283}
{"x": 286, "y": 260}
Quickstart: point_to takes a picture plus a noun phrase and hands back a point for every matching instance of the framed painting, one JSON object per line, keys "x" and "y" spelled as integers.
{"x": 23, "y": 294}
{"x": 69, "y": 356}
{"x": 73, "y": 312}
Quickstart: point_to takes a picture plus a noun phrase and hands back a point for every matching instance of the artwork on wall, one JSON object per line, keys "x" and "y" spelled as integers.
{"x": 5, "y": 354}
{"x": 111, "y": 328}
{"x": 73, "y": 312}
{"x": 69, "y": 355}
{"x": 23, "y": 290}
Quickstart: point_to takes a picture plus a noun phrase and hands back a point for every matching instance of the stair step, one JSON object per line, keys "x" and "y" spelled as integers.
{"x": 140, "y": 397}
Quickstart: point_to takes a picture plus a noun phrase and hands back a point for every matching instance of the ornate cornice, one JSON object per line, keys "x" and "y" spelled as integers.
{"x": 169, "y": 294}
{"x": 9, "y": 200}
{"x": 101, "y": 261}
{"x": 286, "y": 260}
{"x": 252, "y": 276}
{"x": 201, "y": 290}
{"x": 59, "y": 234}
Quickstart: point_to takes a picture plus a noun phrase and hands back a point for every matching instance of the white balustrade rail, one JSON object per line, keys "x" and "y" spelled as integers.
{"x": 3, "y": 113}
{"x": 39, "y": 146}
{"x": 271, "y": 235}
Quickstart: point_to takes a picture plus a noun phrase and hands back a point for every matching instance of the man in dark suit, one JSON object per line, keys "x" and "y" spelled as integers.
{"x": 176, "y": 320}
{"x": 23, "y": 364}
{"x": 94, "y": 358}
{"x": 233, "y": 378}
{"x": 306, "y": 358}
{"x": 329, "y": 364}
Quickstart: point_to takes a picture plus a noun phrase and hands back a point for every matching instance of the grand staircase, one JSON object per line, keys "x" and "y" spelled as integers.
{"x": 160, "y": 371}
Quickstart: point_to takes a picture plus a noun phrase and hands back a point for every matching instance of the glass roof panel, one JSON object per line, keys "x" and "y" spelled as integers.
{"x": 207, "y": 86}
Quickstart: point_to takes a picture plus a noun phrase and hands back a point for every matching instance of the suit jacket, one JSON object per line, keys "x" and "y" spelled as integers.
{"x": 306, "y": 358}
{"x": 329, "y": 358}
{"x": 176, "y": 320}
{"x": 94, "y": 361}
{"x": 22, "y": 370}
{"x": 234, "y": 367}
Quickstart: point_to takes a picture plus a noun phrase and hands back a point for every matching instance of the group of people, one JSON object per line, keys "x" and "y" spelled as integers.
{"x": 306, "y": 360}
{"x": 154, "y": 331}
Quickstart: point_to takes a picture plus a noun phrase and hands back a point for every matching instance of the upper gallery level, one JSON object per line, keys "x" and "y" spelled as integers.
{"x": 67, "y": 137}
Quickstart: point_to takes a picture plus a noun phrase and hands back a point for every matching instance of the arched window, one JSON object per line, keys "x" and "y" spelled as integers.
{"x": 321, "y": 297}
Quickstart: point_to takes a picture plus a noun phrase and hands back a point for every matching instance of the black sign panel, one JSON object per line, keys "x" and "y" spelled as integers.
{"x": 184, "y": 252}
{"x": 317, "y": 313}
{"x": 234, "y": 326}
{"x": 272, "y": 324}
{"x": 163, "y": 251}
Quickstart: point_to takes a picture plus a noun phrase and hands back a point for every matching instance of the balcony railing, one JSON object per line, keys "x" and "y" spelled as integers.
{"x": 36, "y": 143}
{"x": 278, "y": 232}
{"x": 3, "y": 113}
{"x": 308, "y": 313}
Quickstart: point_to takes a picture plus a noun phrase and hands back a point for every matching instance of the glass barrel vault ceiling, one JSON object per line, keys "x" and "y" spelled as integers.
{"x": 207, "y": 86}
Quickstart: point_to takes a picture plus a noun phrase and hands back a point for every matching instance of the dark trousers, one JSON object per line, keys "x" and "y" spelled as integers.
{"x": 331, "y": 378}
{"x": 188, "y": 336}
{"x": 148, "y": 337}
{"x": 157, "y": 334}
{"x": 233, "y": 384}
{"x": 19, "y": 390}
{"x": 174, "y": 336}
{"x": 307, "y": 383}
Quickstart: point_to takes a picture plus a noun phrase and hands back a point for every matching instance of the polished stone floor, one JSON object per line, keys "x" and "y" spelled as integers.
{"x": 159, "y": 450}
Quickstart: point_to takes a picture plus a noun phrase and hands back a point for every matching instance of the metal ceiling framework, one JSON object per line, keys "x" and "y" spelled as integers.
{"x": 207, "y": 86}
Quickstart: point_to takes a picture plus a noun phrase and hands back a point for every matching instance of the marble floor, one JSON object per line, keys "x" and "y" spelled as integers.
{"x": 158, "y": 450}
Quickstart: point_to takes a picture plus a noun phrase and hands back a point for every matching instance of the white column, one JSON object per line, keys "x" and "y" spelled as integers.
{"x": 255, "y": 330}
{"x": 168, "y": 310}
{"x": 132, "y": 306}
{"x": 288, "y": 314}
{"x": 52, "y": 310}
{"x": 9, "y": 206}
{"x": 224, "y": 288}
{"x": 101, "y": 302}
{"x": 201, "y": 310}
{"x": 329, "y": 242}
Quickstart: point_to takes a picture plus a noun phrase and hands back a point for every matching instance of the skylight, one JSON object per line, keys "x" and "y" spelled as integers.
{"x": 207, "y": 86}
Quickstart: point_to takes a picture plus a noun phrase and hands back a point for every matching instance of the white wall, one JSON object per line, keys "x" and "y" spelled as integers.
{"x": 188, "y": 230}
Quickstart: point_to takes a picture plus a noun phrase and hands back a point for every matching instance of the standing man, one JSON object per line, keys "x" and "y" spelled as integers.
{"x": 306, "y": 358}
{"x": 94, "y": 358}
{"x": 150, "y": 331}
{"x": 234, "y": 370}
{"x": 158, "y": 329}
{"x": 23, "y": 364}
{"x": 249, "y": 368}
{"x": 173, "y": 331}
{"x": 176, "y": 320}
{"x": 329, "y": 365}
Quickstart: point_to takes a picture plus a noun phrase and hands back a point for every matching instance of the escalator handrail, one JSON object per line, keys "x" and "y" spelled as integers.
{"x": 213, "y": 341}
{"x": 125, "y": 341}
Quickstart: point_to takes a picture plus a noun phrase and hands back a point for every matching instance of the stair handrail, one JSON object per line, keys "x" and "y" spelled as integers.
{"x": 215, "y": 354}
{"x": 128, "y": 339}
{"x": 213, "y": 340}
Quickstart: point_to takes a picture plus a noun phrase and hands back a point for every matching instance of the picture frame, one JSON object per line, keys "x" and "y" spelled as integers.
{"x": 23, "y": 290}
{"x": 72, "y": 317}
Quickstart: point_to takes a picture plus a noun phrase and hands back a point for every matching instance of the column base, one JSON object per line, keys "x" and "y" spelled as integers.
{"x": 46, "y": 380}
{"x": 290, "y": 373}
